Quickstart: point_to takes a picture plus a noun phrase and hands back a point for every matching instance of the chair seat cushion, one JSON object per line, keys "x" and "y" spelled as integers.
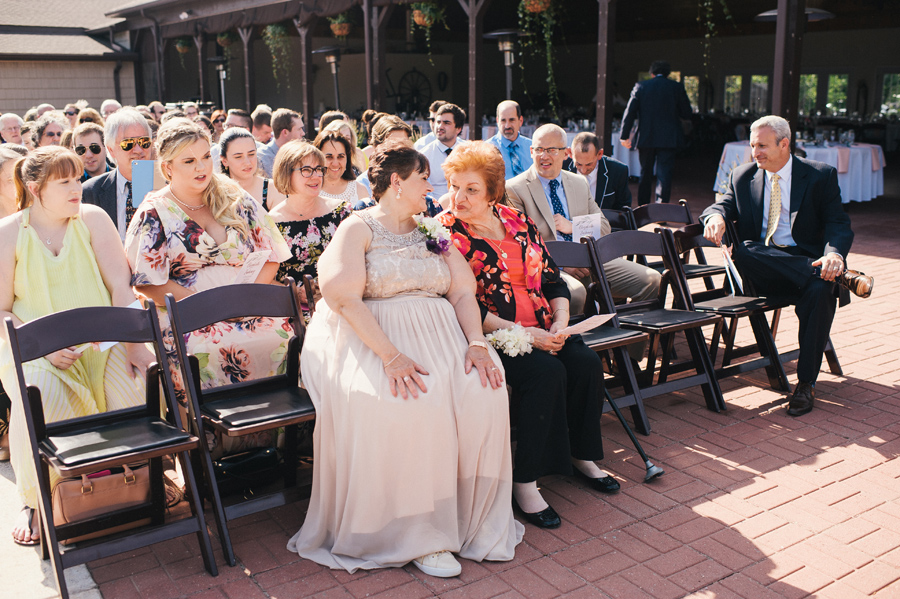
{"x": 693, "y": 271}
{"x": 735, "y": 304}
{"x": 656, "y": 320}
{"x": 611, "y": 336}
{"x": 258, "y": 406}
{"x": 110, "y": 440}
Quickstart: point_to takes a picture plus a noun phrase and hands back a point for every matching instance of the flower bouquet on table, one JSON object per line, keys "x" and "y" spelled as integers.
{"x": 513, "y": 341}
{"x": 437, "y": 234}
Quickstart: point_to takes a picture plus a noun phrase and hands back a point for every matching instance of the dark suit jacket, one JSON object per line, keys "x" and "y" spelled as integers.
{"x": 612, "y": 183}
{"x": 101, "y": 191}
{"x": 657, "y": 104}
{"x": 819, "y": 224}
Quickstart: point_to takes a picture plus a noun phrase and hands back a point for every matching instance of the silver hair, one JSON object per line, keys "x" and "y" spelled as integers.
{"x": 45, "y": 121}
{"x": 120, "y": 119}
{"x": 777, "y": 124}
{"x": 11, "y": 152}
{"x": 107, "y": 103}
{"x": 543, "y": 129}
{"x": 11, "y": 116}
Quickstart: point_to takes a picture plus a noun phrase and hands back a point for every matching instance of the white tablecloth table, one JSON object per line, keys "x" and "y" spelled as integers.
{"x": 859, "y": 183}
{"x": 629, "y": 157}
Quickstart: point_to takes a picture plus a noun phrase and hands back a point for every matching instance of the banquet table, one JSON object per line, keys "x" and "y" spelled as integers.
{"x": 630, "y": 157}
{"x": 860, "y": 167}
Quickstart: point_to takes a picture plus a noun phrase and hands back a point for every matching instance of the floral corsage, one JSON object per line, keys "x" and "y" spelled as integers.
{"x": 513, "y": 341}
{"x": 438, "y": 237}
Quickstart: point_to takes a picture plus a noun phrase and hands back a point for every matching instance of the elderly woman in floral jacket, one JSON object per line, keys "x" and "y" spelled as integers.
{"x": 558, "y": 386}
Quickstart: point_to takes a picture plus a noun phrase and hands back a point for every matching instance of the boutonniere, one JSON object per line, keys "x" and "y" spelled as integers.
{"x": 438, "y": 236}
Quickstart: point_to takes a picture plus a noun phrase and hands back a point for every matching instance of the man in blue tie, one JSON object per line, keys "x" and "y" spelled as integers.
{"x": 515, "y": 148}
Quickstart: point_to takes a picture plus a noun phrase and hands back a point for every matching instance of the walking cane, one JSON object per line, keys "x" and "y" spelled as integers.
{"x": 653, "y": 471}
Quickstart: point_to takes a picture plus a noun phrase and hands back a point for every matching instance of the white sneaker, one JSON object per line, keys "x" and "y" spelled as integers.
{"x": 441, "y": 564}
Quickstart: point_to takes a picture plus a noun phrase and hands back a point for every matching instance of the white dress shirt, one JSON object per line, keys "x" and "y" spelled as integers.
{"x": 592, "y": 181}
{"x": 436, "y": 152}
{"x": 782, "y": 234}
{"x": 121, "y": 198}
{"x": 424, "y": 141}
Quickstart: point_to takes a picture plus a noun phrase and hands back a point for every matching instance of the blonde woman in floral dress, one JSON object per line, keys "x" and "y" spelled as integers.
{"x": 307, "y": 220}
{"x": 195, "y": 234}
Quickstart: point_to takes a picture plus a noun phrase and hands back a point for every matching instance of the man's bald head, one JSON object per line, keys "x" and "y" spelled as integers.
{"x": 509, "y": 119}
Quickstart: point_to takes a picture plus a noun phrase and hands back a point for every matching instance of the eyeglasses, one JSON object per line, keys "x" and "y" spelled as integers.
{"x": 94, "y": 148}
{"x": 551, "y": 151}
{"x": 219, "y": 120}
{"x": 86, "y": 119}
{"x": 127, "y": 144}
{"x": 311, "y": 171}
{"x": 70, "y": 113}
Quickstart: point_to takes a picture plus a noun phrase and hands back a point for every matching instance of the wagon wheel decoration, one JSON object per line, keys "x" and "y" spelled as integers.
{"x": 413, "y": 92}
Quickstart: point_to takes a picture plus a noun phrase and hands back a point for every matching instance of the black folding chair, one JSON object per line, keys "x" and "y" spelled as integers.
{"x": 731, "y": 307}
{"x": 247, "y": 407}
{"x": 677, "y": 214}
{"x": 114, "y": 439}
{"x": 619, "y": 220}
{"x": 606, "y": 338}
{"x": 653, "y": 318}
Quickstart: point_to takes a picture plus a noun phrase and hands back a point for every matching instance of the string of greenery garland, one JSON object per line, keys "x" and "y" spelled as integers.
{"x": 278, "y": 42}
{"x": 540, "y": 18}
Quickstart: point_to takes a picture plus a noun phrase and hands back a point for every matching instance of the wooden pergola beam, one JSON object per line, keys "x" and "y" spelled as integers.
{"x": 246, "y": 34}
{"x": 789, "y": 31}
{"x": 606, "y": 39}
{"x": 304, "y": 29}
{"x": 475, "y": 10}
{"x": 199, "y": 42}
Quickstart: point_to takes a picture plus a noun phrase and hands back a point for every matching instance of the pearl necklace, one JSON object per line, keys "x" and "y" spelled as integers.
{"x": 188, "y": 206}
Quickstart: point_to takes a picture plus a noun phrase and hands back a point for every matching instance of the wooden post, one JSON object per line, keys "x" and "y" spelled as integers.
{"x": 368, "y": 25}
{"x": 475, "y": 10}
{"x": 788, "y": 42}
{"x": 380, "y": 17}
{"x": 159, "y": 52}
{"x": 606, "y": 39}
{"x": 246, "y": 33}
{"x": 305, "y": 32}
{"x": 201, "y": 63}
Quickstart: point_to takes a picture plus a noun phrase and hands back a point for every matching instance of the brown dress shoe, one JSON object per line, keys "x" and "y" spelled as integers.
{"x": 857, "y": 282}
{"x": 802, "y": 400}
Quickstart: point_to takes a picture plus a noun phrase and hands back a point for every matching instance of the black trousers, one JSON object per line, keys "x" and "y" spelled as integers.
{"x": 787, "y": 272}
{"x": 556, "y": 410}
{"x": 663, "y": 159}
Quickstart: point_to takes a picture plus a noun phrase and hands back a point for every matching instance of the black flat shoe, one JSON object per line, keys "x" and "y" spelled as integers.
{"x": 606, "y": 484}
{"x": 547, "y": 518}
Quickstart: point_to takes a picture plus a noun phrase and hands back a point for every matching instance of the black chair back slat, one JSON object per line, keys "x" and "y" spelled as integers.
{"x": 568, "y": 254}
{"x": 619, "y": 220}
{"x": 625, "y": 243}
{"x": 651, "y": 214}
{"x": 235, "y": 301}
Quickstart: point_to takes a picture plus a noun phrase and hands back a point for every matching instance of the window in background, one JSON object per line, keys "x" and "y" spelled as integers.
{"x": 674, "y": 75}
{"x": 837, "y": 95}
{"x": 808, "y": 85}
{"x": 890, "y": 94}
{"x": 759, "y": 94}
{"x": 733, "y": 94}
{"x": 692, "y": 87}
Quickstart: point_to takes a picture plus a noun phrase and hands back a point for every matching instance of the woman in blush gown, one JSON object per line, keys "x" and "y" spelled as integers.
{"x": 411, "y": 440}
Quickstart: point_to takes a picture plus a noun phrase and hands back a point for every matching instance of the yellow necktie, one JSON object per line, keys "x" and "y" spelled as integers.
{"x": 774, "y": 209}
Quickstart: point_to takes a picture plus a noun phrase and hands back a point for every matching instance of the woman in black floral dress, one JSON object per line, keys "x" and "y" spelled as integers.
{"x": 306, "y": 220}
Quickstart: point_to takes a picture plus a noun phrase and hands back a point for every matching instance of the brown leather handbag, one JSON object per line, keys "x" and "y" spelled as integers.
{"x": 77, "y": 499}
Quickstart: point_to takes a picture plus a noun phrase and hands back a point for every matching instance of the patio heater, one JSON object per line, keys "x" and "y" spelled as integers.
{"x": 506, "y": 43}
{"x": 220, "y": 61}
{"x": 333, "y": 58}
{"x": 812, "y": 14}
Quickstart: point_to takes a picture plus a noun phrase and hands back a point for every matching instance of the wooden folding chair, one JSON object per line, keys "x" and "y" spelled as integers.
{"x": 90, "y": 444}
{"x": 731, "y": 307}
{"x": 677, "y": 214}
{"x": 609, "y": 337}
{"x": 653, "y": 318}
{"x": 247, "y": 407}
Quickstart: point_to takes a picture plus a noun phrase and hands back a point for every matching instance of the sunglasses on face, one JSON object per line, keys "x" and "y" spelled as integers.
{"x": 52, "y": 133}
{"x": 70, "y": 113}
{"x": 94, "y": 148}
{"x": 311, "y": 171}
{"x": 219, "y": 120}
{"x": 127, "y": 144}
{"x": 86, "y": 119}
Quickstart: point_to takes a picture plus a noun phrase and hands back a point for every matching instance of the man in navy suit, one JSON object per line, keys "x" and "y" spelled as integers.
{"x": 657, "y": 105}
{"x": 128, "y": 138}
{"x": 607, "y": 177}
{"x": 793, "y": 240}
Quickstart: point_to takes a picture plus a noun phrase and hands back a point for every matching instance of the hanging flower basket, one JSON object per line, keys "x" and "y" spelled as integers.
{"x": 422, "y": 19}
{"x": 277, "y": 40}
{"x": 536, "y": 6}
{"x": 340, "y": 29}
{"x": 225, "y": 39}
{"x": 183, "y": 45}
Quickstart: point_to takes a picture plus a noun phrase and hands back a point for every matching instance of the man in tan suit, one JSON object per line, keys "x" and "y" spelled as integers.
{"x": 552, "y": 197}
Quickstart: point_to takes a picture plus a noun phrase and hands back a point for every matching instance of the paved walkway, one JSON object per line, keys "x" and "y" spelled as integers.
{"x": 753, "y": 504}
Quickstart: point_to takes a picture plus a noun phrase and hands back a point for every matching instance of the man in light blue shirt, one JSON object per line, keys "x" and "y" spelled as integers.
{"x": 287, "y": 125}
{"x": 515, "y": 148}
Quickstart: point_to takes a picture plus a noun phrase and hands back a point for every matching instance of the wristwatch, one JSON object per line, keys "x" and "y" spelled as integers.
{"x": 478, "y": 344}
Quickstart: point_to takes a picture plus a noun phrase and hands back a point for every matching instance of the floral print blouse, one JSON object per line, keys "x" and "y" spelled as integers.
{"x": 494, "y": 292}
{"x": 307, "y": 240}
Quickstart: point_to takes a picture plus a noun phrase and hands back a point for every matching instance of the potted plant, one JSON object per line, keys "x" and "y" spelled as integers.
{"x": 183, "y": 45}
{"x": 277, "y": 40}
{"x": 226, "y": 40}
{"x": 340, "y": 25}
{"x": 540, "y": 18}
{"x": 424, "y": 16}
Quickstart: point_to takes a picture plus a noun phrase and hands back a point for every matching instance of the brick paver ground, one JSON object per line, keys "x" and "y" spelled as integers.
{"x": 753, "y": 504}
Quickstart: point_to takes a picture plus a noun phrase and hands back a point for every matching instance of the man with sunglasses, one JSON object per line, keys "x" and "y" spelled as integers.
{"x": 552, "y": 198}
{"x": 128, "y": 138}
{"x": 88, "y": 139}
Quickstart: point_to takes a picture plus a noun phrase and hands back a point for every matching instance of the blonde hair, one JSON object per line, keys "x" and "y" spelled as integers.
{"x": 40, "y": 166}
{"x": 222, "y": 195}
{"x": 292, "y": 154}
